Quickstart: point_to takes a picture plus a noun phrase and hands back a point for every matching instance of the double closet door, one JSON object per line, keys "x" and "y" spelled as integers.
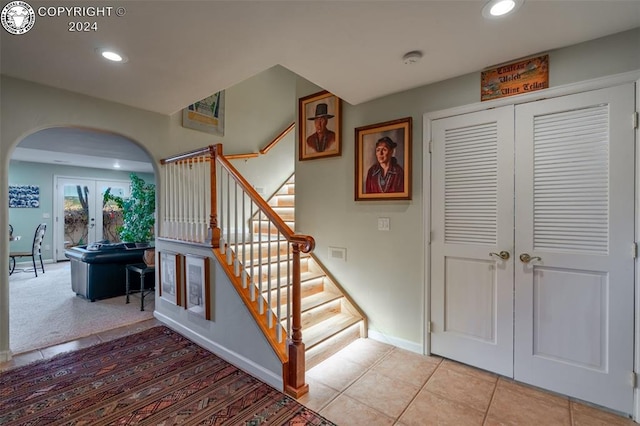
{"x": 532, "y": 237}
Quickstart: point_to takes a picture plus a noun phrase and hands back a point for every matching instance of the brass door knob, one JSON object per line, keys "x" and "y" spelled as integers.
{"x": 504, "y": 255}
{"x": 526, "y": 258}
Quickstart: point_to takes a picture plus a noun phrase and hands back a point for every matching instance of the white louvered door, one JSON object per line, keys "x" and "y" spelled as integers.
{"x": 562, "y": 320}
{"x": 472, "y": 217}
{"x": 575, "y": 210}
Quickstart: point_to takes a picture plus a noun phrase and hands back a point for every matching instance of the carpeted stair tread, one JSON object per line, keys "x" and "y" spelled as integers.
{"x": 313, "y": 301}
{"x": 265, "y": 260}
{"x": 325, "y": 329}
{"x": 325, "y": 310}
{"x": 286, "y": 213}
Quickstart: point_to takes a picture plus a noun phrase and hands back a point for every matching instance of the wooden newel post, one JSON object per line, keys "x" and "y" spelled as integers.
{"x": 296, "y": 385}
{"x": 213, "y": 218}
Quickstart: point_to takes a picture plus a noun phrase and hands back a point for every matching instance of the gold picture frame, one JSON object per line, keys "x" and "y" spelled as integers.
{"x": 383, "y": 161}
{"x": 319, "y": 119}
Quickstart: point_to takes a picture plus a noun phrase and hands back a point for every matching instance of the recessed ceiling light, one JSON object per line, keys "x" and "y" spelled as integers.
{"x": 116, "y": 165}
{"x": 499, "y": 8}
{"x": 112, "y": 55}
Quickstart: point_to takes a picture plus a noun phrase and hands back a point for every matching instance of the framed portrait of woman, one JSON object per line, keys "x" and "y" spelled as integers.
{"x": 319, "y": 120}
{"x": 383, "y": 161}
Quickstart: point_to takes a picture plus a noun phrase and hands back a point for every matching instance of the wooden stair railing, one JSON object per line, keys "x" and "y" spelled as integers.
{"x": 266, "y": 148}
{"x": 277, "y": 138}
{"x": 231, "y": 196}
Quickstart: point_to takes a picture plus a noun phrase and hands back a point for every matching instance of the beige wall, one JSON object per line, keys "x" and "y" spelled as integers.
{"x": 384, "y": 270}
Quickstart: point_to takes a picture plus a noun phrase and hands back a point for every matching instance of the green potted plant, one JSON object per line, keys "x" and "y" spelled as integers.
{"x": 138, "y": 212}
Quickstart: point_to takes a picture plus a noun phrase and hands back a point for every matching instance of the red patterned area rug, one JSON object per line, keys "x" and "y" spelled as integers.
{"x": 155, "y": 377}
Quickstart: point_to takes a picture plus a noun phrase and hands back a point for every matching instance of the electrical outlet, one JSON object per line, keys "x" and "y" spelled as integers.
{"x": 46, "y": 215}
{"x": 383, "y": 224}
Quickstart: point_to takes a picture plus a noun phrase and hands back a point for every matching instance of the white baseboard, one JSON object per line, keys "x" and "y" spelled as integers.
{"x": 5, "y": 356}
{"x": 399, "y": 343}
{"x": 234, "y": 358}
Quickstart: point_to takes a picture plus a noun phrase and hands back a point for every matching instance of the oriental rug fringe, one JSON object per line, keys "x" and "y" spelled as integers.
{"x": 156, "y": 377}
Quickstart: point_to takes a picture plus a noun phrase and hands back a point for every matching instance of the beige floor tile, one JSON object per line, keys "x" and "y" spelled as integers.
{"x": 388, "y": 395}
{"x": 408, "y": 366}
{"x": 346, "y": 411}
{"x": 336, "y": 373}
{"x": 365, "y": 351}
{"x": 319, "y": 395}
{"x": 21, "y": 359}
{"x": 431, "y": 409}
{"x": 514, "y": 404}
{"x": 462, "y": 388}
{"x": 127, "y": 330}
{"x": 584, "y": 415}
{"x": 530, "y": 391}
{"x": 467, "y": 369}
{"x": 74, "y": 345}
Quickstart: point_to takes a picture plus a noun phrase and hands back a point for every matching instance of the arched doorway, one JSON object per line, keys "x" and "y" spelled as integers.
{"x": 70, "y": 166}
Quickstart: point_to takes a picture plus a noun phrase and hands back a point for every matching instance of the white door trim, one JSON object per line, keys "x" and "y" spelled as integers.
{"x": 636, "y": 343}
{"x": 598, "y": 83}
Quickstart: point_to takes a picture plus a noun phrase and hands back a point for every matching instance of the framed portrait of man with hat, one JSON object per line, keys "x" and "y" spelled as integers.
{"x": 383, "y": 161}
{"x": 319, "y": 121}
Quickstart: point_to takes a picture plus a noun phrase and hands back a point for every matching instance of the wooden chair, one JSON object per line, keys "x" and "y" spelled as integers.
{"x": 36, "y": 249}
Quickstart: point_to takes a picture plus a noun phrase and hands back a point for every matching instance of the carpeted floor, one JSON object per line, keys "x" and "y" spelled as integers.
{"x": 44, "y": 311}
{"x": 155, "y": 377}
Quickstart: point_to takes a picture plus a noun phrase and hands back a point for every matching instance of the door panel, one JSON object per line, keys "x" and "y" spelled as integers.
{"x": 472, "y": 217}
{"x": 575, "y": 211}
{"x": 81, "y": 216}
{"x": 109, "y": 218}
{"x": 75, "y": 216}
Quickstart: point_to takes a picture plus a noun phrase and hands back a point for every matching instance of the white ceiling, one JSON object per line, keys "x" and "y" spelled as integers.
{"x": 182, "y": 51}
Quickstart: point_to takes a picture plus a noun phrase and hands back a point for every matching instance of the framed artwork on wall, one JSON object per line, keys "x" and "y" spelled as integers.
{"x": 383, "y": 161}
{"x": 170, "y": 288}
{"x": 24, "y": 196}
{"x": 206, "y": 115}
{"x": 319, "y": 118}
{"x": 198, "y": 289}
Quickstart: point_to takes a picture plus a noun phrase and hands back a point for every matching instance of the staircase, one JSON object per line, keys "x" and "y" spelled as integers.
{"x": 330, "y": 319}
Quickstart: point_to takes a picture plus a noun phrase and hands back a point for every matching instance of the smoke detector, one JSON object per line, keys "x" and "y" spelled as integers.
{"x": 412, "y": 57}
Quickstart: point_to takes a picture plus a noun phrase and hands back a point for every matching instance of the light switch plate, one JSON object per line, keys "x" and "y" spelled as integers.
{"x": 383, "y": 224}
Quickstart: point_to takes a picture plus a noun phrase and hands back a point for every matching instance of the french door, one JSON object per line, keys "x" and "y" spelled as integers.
{"x": 81, "y": 215}
{"x": 532, "y": 262}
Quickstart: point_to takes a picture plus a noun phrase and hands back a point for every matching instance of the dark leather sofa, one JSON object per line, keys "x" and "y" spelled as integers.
{"x": 98, "y": 271}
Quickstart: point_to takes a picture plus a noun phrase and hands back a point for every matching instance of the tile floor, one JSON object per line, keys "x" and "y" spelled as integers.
{"x": 371, "y": 383}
